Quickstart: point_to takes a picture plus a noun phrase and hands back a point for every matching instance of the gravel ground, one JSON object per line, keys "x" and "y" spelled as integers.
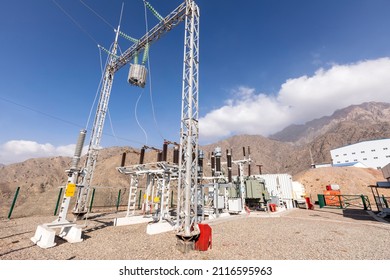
{"x": 298, "y": 234}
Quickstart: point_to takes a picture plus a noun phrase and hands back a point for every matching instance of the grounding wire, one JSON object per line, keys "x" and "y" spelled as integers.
{"x": 112, "y": 127}
{"x": 150, "y": 78}
{"x": 75, "y": 22}
{"x": 136, "y": 118}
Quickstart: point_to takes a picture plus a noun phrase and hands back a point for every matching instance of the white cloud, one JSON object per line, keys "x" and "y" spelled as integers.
{"x": 20, "y": 150}
{"x": 299, "y": 100}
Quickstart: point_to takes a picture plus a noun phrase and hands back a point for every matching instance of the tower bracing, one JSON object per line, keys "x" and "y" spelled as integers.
{"x": 189, "y": 133}
{"x": 115, "y": 64}
{"x": 80, "y": 180}
{"x": 81, "y": 204}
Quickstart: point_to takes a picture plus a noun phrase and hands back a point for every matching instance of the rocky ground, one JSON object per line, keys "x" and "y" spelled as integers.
{"x": 297, "y": 234}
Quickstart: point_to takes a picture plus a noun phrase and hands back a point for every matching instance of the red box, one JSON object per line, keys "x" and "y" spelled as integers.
{"x": 204, "y": 240}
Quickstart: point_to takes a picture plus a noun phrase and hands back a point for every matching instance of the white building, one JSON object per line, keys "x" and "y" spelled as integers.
{"x": 386, "y": 172}
{"x": 375, "y": 154}
{"x": 279, "y": 185}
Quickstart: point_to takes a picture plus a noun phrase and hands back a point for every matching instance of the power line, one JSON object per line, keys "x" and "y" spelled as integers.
{"x": 63, "y": 120}
{"x": 98, "y": 15}
{"x": 40, "y": 112}
{"x": 75, "y": 22}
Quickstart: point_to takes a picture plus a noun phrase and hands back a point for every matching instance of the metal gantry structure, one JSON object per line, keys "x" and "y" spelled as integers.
{"x": 189, "y": 131}
{"x": 187, "y": 11}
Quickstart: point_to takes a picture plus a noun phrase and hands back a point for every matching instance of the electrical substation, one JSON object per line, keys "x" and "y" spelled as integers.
{"x": 199, "y": 197}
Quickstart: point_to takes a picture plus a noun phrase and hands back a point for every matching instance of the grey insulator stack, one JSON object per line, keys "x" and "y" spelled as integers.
{"x": 249, "y": 164}
{"x": 78, "y": 149}
{"x": 200, "y": 161}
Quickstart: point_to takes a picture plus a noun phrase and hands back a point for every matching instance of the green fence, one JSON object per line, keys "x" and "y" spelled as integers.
{"x": 344, "y": 201}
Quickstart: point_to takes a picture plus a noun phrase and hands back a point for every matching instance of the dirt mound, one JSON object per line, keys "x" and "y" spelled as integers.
{"x": 352, "y": 181}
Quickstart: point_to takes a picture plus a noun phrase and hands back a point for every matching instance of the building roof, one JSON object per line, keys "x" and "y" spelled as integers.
{"x": 346, "y": 164}
{"x": 383, "y": 185}
{"x": 368, "y": 141}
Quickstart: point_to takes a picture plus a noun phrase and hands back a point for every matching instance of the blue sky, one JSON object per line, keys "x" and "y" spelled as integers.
{"x": 267, "y": 63}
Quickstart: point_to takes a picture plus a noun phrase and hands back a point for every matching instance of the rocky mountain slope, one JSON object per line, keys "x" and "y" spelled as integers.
{"x": 368, "y": 121}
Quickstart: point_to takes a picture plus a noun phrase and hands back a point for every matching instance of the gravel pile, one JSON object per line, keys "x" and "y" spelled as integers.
{"x": 297, "y": 234}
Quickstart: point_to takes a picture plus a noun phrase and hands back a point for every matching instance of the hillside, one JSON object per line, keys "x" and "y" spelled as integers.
{"x": 352, "y": 181}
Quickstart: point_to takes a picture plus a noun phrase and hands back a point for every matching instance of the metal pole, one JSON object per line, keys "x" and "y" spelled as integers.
{"x": 117, "y": 202}
{"x": 139, "y": 199}
{"x": 321, "y": 200}
{"x": 364, "y": 202}
{"x": 13, "y": 203}
{"x": 340, "y": 202}
{"x": 171, "y": 199}
{"x": 373, "y": 194}
{"x": 58, "y": 201}
{"x": 93, "y": 196}
{"x": 385, "y": 201}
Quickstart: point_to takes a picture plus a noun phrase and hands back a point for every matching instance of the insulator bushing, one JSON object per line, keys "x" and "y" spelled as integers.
{"x": 229, "y": 161}
{"x": 142, "y": 156}
{"x": 218, "y": 164}
{"x": 123, "y": 159}
{"x": 176, "y": 155}
{"x": 165, "y": 152}
{"x": 217, "y": 152}
{"x": 212, "y": 164}
{"x": 78, "y": 149}
{"x": 229, "y": 164}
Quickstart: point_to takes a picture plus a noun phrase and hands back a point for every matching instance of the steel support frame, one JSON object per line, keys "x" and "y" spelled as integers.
{"x": 115, "y": 64}
{"x": 158, "y": 176}
{"x": 189, "y": 132}
{"x": 81, "y": 205}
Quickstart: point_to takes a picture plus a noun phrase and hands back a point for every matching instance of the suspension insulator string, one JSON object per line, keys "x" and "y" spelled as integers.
{"x": 146, "y": 54}
{"x": 131, "y": 39}
{"x": 107, "y": 51}
{"x": 153, "y": 10}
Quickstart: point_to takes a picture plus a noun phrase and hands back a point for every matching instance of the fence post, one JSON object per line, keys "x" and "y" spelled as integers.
{"x": 364, "y": 202}
{"x": 321, "y": 200}
{"x": 171, "y": 199}
{"x": 385, "y": 201}
{"x": 58, "y": 201}
{"x": 119, "y": 198}
{"x": 92, "y": 197}
{"x": 139, "y": 199}
{"x": 13, "y": 203}
{"x": 340, "y": 202}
